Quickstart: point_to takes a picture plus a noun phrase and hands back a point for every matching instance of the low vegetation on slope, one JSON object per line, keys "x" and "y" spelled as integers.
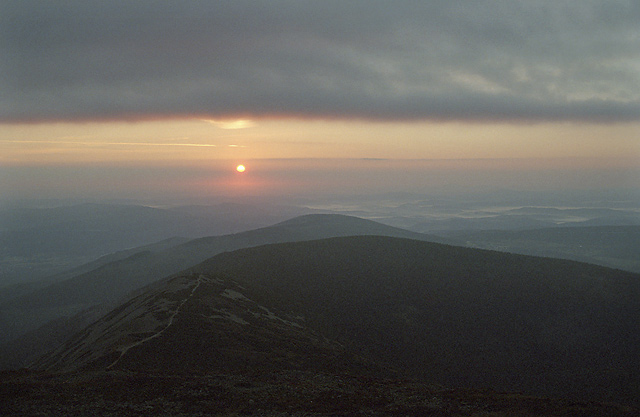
{"x": 277, "y": 394}
{"x": 377, "y": 305}
{"x": 458, "y": 316}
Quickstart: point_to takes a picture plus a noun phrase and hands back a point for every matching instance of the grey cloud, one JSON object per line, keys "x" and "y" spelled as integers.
{"x": 481, "y": 60}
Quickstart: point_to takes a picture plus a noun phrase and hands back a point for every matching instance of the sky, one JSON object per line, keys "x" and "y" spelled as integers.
{"x": 162, "y": 99}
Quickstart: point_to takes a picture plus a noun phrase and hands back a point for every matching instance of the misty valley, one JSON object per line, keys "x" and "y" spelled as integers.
{"x": 373, "y": 305}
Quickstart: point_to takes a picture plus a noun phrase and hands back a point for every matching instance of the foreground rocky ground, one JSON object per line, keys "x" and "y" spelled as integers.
{"x": 274, "y": 394}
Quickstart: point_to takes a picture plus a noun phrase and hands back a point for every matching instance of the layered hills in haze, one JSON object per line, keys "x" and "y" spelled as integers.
{"x": 37, "y": 242}
{"x": 612, "y": 246}
{"x": 109, "y": 279}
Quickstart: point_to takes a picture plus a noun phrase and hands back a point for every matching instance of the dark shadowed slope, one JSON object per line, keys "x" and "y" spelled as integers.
{"x": 457, "y": 316}
{"x": 110, "y": 282}
{"x": 271, "y": 394}
{"x": 197, "y": 324}
{"x": 460, "y": 316}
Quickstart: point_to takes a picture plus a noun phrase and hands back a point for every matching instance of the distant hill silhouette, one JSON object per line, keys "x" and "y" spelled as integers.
{"x": 38, "y": 242}
{"x": 612, "y": 246}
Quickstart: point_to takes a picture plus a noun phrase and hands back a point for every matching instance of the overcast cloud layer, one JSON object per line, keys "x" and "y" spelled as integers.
{"x": 392, "y": 60}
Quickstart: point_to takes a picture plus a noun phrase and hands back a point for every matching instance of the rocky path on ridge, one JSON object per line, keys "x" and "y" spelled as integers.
{"x": 125, "y": 349}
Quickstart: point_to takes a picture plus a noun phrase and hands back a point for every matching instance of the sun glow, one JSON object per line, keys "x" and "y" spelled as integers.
{"x": 231, "y": 124}
{"x": 240, "y": 168}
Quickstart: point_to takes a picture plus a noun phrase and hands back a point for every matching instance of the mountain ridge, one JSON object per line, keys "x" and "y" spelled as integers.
{"x": 109, "y": 283}
{"x": 463, "y": 317}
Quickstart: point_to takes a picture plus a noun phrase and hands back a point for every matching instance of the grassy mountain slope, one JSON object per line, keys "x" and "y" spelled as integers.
{"x": 458, "y": 316}
{"x": 275, "y": 394}
{"x": 196, "y": 324}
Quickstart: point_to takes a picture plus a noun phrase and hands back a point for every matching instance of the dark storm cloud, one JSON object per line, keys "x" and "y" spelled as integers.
{"x": 440, "y": 60}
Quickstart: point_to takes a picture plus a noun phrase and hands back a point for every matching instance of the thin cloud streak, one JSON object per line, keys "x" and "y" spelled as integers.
{"x": 513, "y": 61}
{"x": 49, "y": 142}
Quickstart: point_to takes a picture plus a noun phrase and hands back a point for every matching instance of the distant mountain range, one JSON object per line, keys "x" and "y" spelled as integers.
{"x": 374, "y": 305}
{"x": 526, "y": 218}
{"x": 612, "y": 246}
{"x": 41, "y": 245}
{"x": 36, "y": 243}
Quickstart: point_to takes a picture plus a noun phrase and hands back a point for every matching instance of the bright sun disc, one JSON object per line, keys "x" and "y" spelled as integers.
{"x": 240, "y": 168}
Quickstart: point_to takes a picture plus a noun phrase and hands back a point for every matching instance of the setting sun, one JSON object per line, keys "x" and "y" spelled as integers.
{"x": 240, "y": 168}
